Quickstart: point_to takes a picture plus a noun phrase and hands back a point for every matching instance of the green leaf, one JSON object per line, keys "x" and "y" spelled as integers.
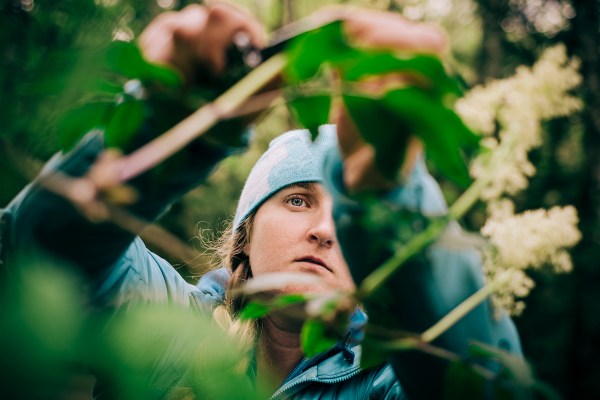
{"x": 254, "y": 310}
{"x": 311, "y": 49}
{"x": 463, "y": 382}
{"x": 124, "y": 122}
{"x": 42, "y": 314}
{"x": 128, "y": 345}
{"x": 328, "y": 45}
{"x": 388, "y": 135}
{"x": 75, "y": 123}
{"x": 311, "y": 112}
{"x": 387, "y": 123}
{"x": 289, "y": 299}
{"x": 68, "y": 72}
{"x": 445, "y": 136}
{"x": 516, "y": 367}
{"x": 370, "y": 356}
{"x": 316, "y": 338}
{"x": 427, "y": 69}
{"x": 258, "y": 309}
{"x": 515, "y": 380}
{"x": 106, "y": 86}
{"x": 125, "y": 58}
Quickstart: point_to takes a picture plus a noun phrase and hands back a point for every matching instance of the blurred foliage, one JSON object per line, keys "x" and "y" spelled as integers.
{"x": 41, "y": 43}
{"x": 48, "y": 334}
{"x": 405, "y": 109}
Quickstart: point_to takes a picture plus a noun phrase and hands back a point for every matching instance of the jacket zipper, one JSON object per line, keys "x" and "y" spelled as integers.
{"x": 282, "y": 389}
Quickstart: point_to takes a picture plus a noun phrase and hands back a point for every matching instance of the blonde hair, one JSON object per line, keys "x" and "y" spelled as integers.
{"x": 228, "y": 250}
{"x": 231, "y": 251}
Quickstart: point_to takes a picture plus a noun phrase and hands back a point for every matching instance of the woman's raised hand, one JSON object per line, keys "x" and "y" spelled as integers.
{"x": 378, "y": 30}
{"x": 196, "y": 39}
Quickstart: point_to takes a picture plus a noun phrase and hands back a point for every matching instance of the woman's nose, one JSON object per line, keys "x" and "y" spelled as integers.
{"x": 323, "y": 231}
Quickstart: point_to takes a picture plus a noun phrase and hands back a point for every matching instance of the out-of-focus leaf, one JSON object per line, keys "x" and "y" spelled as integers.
{"x": 445, "y": 136}
{"x": 258, "y": 309}
{"x": 106, "y": 86}
{"x": 65, "y": 71}
{"x": 124, "y": 122}
{"x": 387, "y": 122}
{"x": 516, "y": 367}
{"x": 254, "y": 309}
{"x": 311, "y": 49}
{"x": 311, "y": 112}
{"x": 371, "y": 356}
{"x": 42, "y": 313}
{"x": 75, "y": 123}
{"x": 431, "y": 108}
{"x": 515, "y": 380}
{"x": 289, "y": 299}
{"x": 428, "y": 71}
{"x": 407, "y": 224}
{"x": 316, "y": 338}
{"x": 128, "y": 346}
{"x": 328, "y": 44}
{"x": 125, "y": 58}
{"x": 378, "y": 126}
{"x": 463, "y": 382}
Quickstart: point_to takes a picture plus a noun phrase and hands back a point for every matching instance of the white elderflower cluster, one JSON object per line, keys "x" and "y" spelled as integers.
{"x": 532, "y": 239}
{"x": 514, "y": 285}
{"x": 513, "y": 108}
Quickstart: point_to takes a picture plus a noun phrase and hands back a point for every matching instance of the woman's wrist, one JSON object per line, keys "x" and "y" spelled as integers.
{"x": 362, "y": 174}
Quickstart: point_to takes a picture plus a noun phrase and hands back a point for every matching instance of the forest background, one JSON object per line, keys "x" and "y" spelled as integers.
{"x": 560, "y": 327}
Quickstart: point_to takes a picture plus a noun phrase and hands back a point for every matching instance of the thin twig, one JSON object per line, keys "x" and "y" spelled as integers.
{"x": 415, "y": 343}
{"x": 459, "y": 312}
{"x": 375, "y": 280}
{"x": 200, "y": 121}
{"x": 85, "y": 194}
{"x": 82, "y": 193}
{"x": 258, "y": 103}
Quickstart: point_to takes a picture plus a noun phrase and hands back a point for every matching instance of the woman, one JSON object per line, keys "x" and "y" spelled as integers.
{"x": 293, "y": 215}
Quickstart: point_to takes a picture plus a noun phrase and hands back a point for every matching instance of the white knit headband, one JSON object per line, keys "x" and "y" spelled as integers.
{"x": 291, "y": 158}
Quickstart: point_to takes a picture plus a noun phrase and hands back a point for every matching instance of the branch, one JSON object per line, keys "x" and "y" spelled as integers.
{"x": 415, "y": 343}
{"x": 200, "y": 121}
{"x": 82, "y": 193}
{"x": 460, "y": 311}
{"x": 375, "y": 280}
{"x": 379, "y": 276}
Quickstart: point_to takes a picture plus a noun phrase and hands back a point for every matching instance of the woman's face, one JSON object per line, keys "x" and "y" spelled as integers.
{"x": 293, "y": 231}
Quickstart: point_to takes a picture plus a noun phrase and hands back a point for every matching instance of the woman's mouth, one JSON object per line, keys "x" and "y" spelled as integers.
{"x": 314, "y": 260}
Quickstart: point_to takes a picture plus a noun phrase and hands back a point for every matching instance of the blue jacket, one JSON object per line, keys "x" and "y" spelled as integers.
{"x": 123, "y": 271}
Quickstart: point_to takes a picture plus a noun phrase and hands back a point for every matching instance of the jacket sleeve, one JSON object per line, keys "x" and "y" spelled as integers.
{"x": 44, "y": 224}
{"x": 427, "y": 287}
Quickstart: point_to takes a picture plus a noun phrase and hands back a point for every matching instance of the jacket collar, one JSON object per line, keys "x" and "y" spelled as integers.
{"x": 330, "y": 367}
{"x": 336, "y": 365}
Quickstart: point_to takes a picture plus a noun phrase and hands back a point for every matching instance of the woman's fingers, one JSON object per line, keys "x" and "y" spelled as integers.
{"x": 224, "y": 22}
{"x": 198, "y": 37}
{"x": 378, "y": 30}
{"x": 385, "y": 30}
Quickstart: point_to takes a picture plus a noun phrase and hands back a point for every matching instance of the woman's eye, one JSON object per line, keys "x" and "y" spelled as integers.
{"x": 297, "y": 201}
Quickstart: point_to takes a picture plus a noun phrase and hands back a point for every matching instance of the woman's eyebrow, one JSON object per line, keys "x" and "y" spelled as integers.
{"x": 310, "y": 186}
